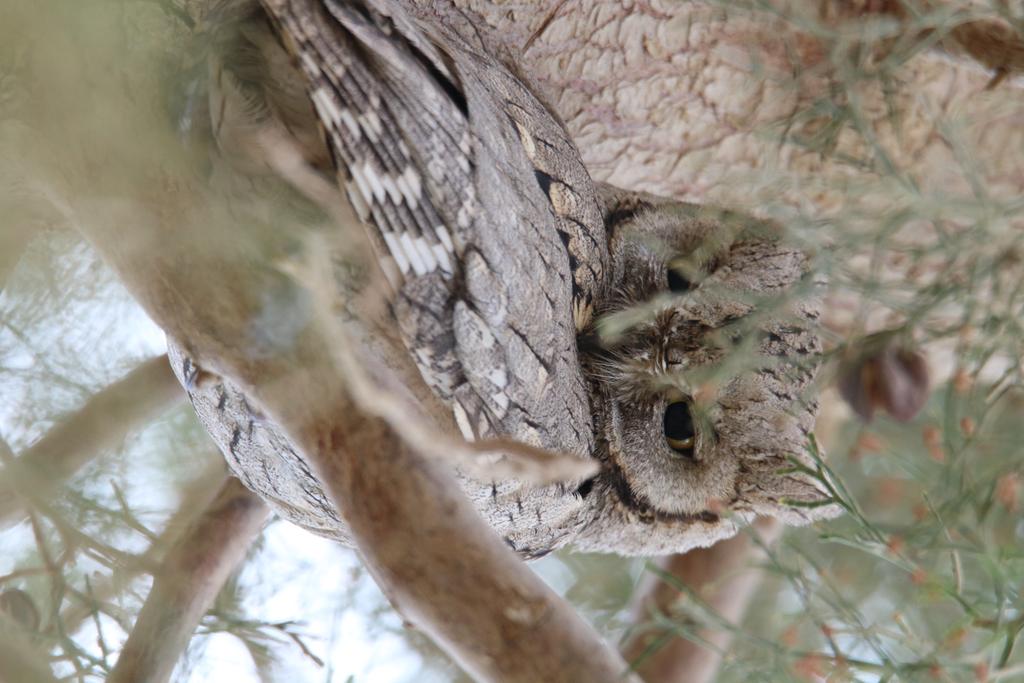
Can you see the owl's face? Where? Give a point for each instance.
(706, 347)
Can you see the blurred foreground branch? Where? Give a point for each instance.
(192, 574)
(464, 587)
(106, 418)
(20, 660)
(14, 237)
(724, 576)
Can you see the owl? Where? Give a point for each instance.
(670, 343)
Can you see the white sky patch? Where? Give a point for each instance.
(300, 576)
(224, 658)
(64, 318)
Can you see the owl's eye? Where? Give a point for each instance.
(677, 282)
(679, 432)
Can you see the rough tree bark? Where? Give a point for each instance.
(689, 99)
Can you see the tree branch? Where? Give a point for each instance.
(198, 496)
(20, 659)
(439, 564)
(724, 576)
(106, 418)
(193, 573)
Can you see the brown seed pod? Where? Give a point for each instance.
(890, 377)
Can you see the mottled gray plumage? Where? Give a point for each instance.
(508, 267)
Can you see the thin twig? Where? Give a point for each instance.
(143, 394)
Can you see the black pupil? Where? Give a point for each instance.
(678, 422)
(677, 282)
